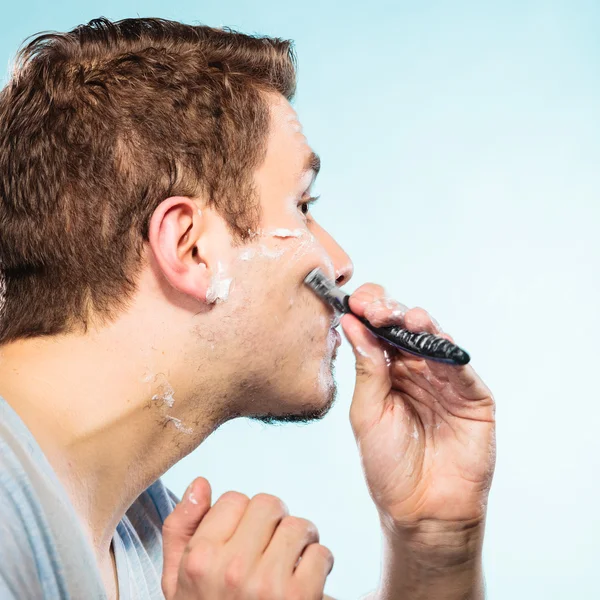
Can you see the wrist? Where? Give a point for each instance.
(433, 560)
(437, 544)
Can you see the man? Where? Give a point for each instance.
(155, 191)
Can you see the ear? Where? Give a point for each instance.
(176, 234)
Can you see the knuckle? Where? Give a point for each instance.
(301, 526)
(325, 553)
(235, 573)
(371, 289)
(235, 498)
(264, 587)
(420, 311)
(198, 561)
(270, 503)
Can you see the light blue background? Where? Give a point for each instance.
(461, 150)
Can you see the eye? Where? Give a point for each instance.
(305, 206)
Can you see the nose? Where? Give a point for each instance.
(342, 264)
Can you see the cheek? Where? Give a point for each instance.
(306, 253)
(284, 251)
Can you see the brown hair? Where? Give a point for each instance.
(97, 127)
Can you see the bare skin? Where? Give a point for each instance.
(241, 548)
(88, 399)
(115, 408)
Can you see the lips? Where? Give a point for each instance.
(335, 335)
(335, 321)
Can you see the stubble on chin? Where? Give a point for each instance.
(309, 413)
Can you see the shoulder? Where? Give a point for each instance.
(140, 530)
(156, 502)
(43, 552)
(145, 517)
(24, 534)
(164, 499)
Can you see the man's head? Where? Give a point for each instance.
(154, 178)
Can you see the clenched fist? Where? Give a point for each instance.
(240, 549)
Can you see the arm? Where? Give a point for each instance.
(426, 436)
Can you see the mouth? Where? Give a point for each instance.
(334, 333)
(336, 339)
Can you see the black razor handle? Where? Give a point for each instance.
(423, 344)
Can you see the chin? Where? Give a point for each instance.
(312, 410)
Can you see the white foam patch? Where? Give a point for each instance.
(220, 285)
(398, 310)
(261, 250)
(325, 379)
(270, 252)
(179, 425)
(248, 254)
(285, 233)
(167, 396)
(149, 377)
(307, 246)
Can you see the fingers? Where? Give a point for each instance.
(250, 548)
(220, 523)
(373, 382)
(418, 319)
(257, 526)
(365, 295)
(179, 527)
(291, 538)
(370, 301)
(368, 350)
(385, 311)
(315, 565)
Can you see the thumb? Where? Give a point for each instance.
(179, 527)
(373, 382)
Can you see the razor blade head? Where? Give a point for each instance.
(326, 289)
(317, 280)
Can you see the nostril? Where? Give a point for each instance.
(344, 274)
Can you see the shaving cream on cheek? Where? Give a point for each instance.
(262, 250)
(277, 251)
(301, 241)
(312, 246)
(285, 233)
(220, 284)
(325, 377)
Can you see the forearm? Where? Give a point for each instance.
(433, 563)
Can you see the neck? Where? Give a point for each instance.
(110, 419)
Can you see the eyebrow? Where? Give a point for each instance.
(313, 163)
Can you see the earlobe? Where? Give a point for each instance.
(176, 237)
